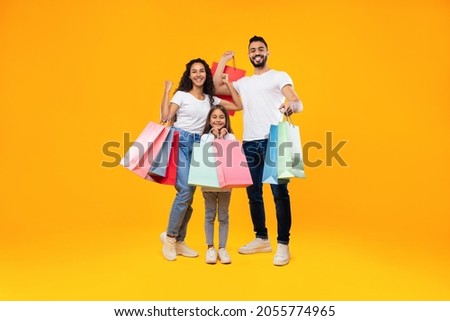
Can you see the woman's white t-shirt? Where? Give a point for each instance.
(192, 112)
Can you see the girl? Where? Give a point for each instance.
(217, 126)
(190, 106)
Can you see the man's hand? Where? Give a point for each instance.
(290, 107)
(227, 56)
(286, 109)
(226, 79)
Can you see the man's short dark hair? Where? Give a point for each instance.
(258, 38)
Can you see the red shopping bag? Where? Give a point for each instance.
(232, 167)
(170, 177)
(145, 148)
(233, 75)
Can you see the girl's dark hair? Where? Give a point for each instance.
(186, 83)
(208, 127)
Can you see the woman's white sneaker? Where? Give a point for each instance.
(282, 256)
(168, 249)
(184, 250)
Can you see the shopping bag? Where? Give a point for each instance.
(298, 168)
(290, 156)
(202, 169)
(145, 148)
(232, 167)
(233, 75)
(284, 151)
(159, 165)
(170, 177)
(270, 169)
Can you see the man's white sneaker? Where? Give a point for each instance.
(168, 249)
(211, 255)
(224, 257)
(184, 250)
(282, 256)
(256, 246)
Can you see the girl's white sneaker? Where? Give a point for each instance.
(224, 257)
(211, 256)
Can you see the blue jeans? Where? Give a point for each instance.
(181, 211)
(255, 151)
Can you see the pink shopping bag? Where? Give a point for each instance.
(145, 148)
(232, 167)
(170, 177)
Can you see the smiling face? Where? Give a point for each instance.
(217, 120)
(257, 52)
(197, 74)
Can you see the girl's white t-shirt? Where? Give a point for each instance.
(192, 112)
(207, 138)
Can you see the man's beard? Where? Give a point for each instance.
(260, 64)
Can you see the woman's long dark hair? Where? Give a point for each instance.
(208, 127)
(186, 83)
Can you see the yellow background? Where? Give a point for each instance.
(77, 74)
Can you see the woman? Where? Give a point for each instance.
(188, 110)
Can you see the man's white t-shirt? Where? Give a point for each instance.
(191, 116)
(261, 97)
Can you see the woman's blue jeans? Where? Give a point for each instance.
(181, 211)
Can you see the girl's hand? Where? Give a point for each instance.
(223, 132)
(215, 132)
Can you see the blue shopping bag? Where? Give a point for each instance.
(270, 170)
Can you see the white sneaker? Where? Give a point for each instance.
(282, 256)
(256, 246)
(224, 257)
(168, 249)
(184, 250)
(211, 256)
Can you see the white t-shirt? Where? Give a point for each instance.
(191, 116)
(261, 97)
(207, 138)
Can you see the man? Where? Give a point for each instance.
(265, 96)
